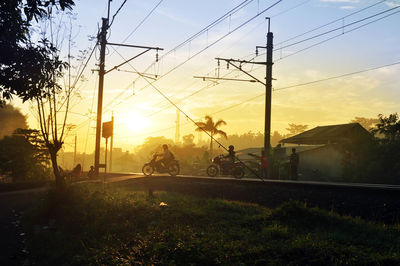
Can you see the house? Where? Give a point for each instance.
(322, 150)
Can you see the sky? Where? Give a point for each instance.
(141, 111)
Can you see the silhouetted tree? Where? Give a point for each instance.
(376, 159)
(275, 138)
(242, 141)
(21, 159)
(296, 129)
(11, 118)
(211, 127)
(35, 139)
(23, 63)
(188, 140)
(389, 126)
(151, 145)
(367, 123)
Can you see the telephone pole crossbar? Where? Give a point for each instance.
(265, 157)
(241, 61)
(216, 78)
(102, 40)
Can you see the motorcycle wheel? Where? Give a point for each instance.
(212, 170)
(147, 169)
(238, 172)
(173, 169)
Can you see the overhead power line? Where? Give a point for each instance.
(143, 20)
(116, 13)
(140, 24)
(196, 123)
(336, 36)
(205, 48)
(191, 38)
(336, 29)
(84, 67)
(331, 22)
(307, 83)
(208, 86)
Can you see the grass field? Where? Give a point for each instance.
(119, 227)
(7, 187)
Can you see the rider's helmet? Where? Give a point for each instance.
(231, 147)
(165, 147)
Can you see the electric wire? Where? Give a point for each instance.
(290, 87)
(331, 22)
(142, 21)
(116, 13)
(336, 29)
(197, 125)
(184, 113)
(140, 24)
(213, 43)
(191, 38)
(336, 36)
(208, 86)
(304, 84)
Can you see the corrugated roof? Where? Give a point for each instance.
(329, 134)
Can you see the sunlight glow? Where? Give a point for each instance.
(133, 121)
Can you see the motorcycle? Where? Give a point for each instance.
(220, 165)
(155, 166)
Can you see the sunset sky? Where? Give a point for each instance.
(140, 111)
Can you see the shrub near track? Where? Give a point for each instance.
(91, 227)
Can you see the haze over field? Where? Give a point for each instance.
(140, 111)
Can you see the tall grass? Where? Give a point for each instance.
(91, 227)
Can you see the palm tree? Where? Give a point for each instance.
(212, 128)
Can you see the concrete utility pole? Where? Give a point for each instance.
(111, 145)
(177, 129)
(268, 98)
(103, 41)
(267, 84)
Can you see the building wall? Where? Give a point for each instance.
(324, 163)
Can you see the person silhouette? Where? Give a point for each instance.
(166, 156)
(294, 164)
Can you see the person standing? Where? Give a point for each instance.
(294, 164)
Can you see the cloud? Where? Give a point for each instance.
(347, 7)
(393, 3)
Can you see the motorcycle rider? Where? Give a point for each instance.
(166, 156)
(230, 157)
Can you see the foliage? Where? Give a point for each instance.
(367, 123)
(295, 129)
(25, 66)
(245, 140)
(389, 127)
(35, 139)
(21, 159)
(188, 140)
(212, 127)
(188, 154)
(125, 228)
(376, 159)
(150, 146)
(11, 118)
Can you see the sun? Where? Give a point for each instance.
(133, 121)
